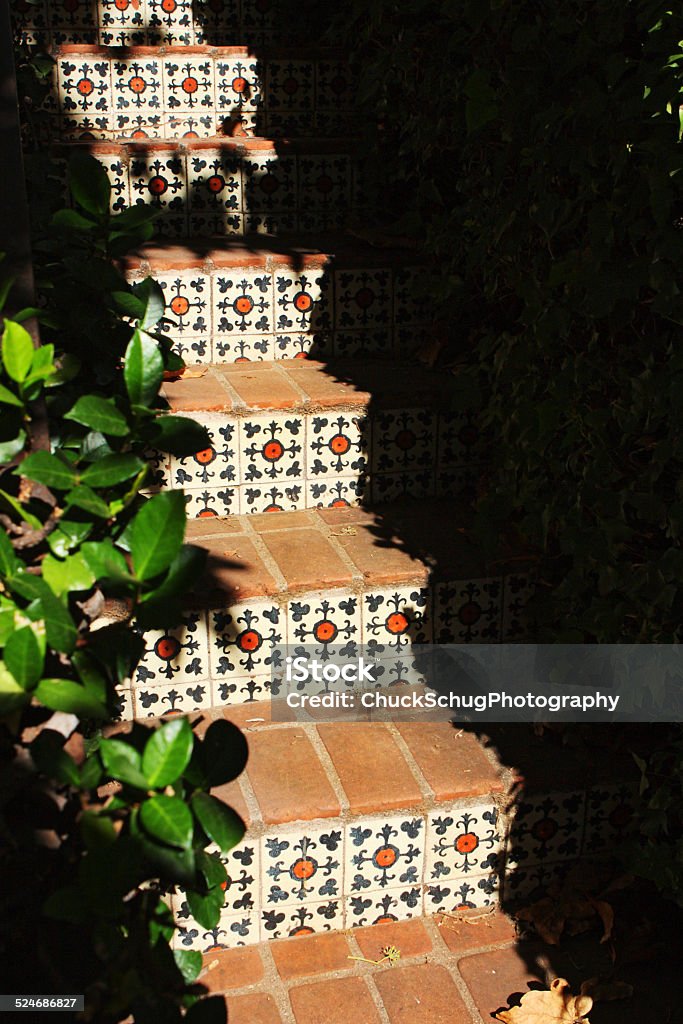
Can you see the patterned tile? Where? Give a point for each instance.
(203, 504)
(468, 611)
(117, 172)
(304, 920)
(302, 867)
(462, 842)
(368, 342)
(121, 36)
(381, 908)
(529, 882)
(363, 298)
(242, 690)
(546, 828)
(475, 891)
(70, 14)
(334, 85)
(216, 21)
(303, 301)
(243, 307)
(214, 468)
(242, 640)
(158, 180)
(411, 296)
(270, 197)
(403, 439)
(190, 126)
(281, 497)
(137, 84)
(86, 126)
(324, 192)
(29, 20)
(179, 698)
(459, 439)
(272, 449)
(118, 15)
(394, 619)
(336, 493)
(189, 84)
(243, 867)
(337, 446)
(170, 21)
(144, 124)
(289, 124)
(290, 85)
(388, 487)
(260, 19)
(610, 816)
(124, 704)
(215, 187)
(242, 349)
(177, 654)
(231, 931)
(386, 853)
(517, 590)
(84, 85)
(188, 313)
(238, 85)
(327, 621)
(301, 346)
(460, 483)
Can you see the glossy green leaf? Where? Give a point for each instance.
(68, 535)
(152, 295)
(163, 604)
(12, 695)
(72, 220)
(66, 695)
(90, 674)
(106, 561)
(168, 820)
(189, 962)
(8, 449)
(24, 657)
(221, 756)
(49, 757)
(97, 830)
(112, 470)
(59, 627)
(89, 183)
(8, 397)
(178, 435)
(99, 414)
(20, 511)
(123, 762)
(206, 907)
(143, 369)
(167, 753)
(219, 821)
(128, 304)
(212, 868)
(17, 351)
(48, 469)
(156, 533)
(8, 557)
(84, 497)
(67, 574)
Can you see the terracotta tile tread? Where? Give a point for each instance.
(289, 384)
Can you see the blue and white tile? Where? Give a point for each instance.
(206, 503)
(384, 853)
(330, 622)
(170, 22)
(389, 487)
(545, 828)
(189, 84)
(292, 921)
(473, 892)
(303, 300)
(179, 653)
(86, 127)
(518, 589)
(337, 493)
(187, 312)
(338, 445)
(302, 866)
(158, 180)
(243, 640)
(377, 907)
(178, 698)
(243, 305)
(463, 842)
(372, 342)
(459, 440)
(228, 691)
(283, 496)
(215, 192)
(272, 449)
(84, 84)
(137, 84)
(468, 611)
(238, 85)
(403, 439)
(216, 467)
(363, 298)
(611, 816)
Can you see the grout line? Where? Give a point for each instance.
(426, 790)
(276, 986)
(328, 766)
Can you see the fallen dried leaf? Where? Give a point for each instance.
(606, 991)
(556, 1006)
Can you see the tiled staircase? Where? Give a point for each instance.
(331, 497)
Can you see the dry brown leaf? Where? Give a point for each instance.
(606, 914)
(556, 1006)
(569, 907)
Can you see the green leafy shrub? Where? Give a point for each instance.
(86, 876)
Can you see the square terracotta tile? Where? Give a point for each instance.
(395, 619)
(377, 908)
(84, 85)
(462, 842)
(215, 192)
(468, 611)
(548, 827)
(384, 853)
(302, 867)
(189, 84)
(337, 446)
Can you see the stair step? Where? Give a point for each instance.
(325, 978)
(407, 574)
(234, 300)
(355, 825)
(153, 22)
(296, 434)
(146, 92)
(233, 186)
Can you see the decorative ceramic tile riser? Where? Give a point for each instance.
(226, 190)
(320, 876)
(168, 23)
(200, 94)
(265, 315)
(229, 655)
(290, 459)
